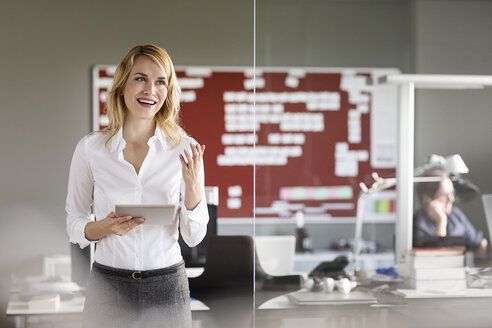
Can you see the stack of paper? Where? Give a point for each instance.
(44, 302)
(436, 269)
(304, 297)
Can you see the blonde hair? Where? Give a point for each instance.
(167, 118)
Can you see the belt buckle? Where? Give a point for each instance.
(137, 275)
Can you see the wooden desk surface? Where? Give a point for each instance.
(472, 310)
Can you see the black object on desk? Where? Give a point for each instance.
(332, 269)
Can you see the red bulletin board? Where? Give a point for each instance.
(312, 134)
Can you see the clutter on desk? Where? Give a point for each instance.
(54, 287)
(386, 276)
(44, 292)
(333, 269)
(330, 276)
(462, 293)
(367, 247)
(436, 269)
(480, 277)
(44, 302)
(436, 251)
(329, 285)
(341, 244)
(303, 240)
(49, 292)
(57, 266)
(415, 293)
(391, 271)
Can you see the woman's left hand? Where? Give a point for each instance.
(191, 174)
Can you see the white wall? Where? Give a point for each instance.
(347, 33)
(453, 37)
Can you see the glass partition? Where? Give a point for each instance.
(327, 149)
(286, 96)
(70, 51)
(323, 127)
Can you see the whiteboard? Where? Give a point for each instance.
(311, 135)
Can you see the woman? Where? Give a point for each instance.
(142, 157)
(439, 217)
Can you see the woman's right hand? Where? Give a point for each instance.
(111, 224)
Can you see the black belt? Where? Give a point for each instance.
(136, 275)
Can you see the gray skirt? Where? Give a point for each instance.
(124, 298)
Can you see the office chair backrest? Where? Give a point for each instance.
(80, 264)
(276, 254)
(230, 260)
(230, 269)
(196, 256)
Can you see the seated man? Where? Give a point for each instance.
(439, 217)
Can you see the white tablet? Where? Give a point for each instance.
(153, 214)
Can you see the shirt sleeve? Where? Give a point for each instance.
(193, 223)
(422, 225)
(79, 195)
(473, 237)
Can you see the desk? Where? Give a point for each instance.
(390, 311)
(19, 310)
(280, 312)
(70, 310)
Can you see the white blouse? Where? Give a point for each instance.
(101, 177)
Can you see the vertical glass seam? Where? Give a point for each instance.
(254, 163)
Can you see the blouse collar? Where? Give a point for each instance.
(117, 140)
